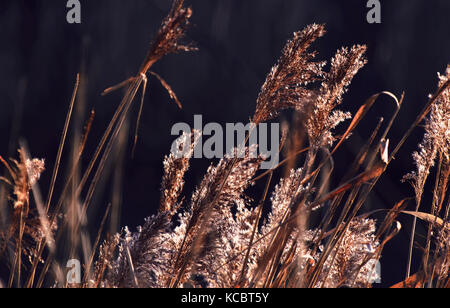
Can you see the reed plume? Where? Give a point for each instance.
(308, 230)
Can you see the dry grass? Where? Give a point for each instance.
(220, 238)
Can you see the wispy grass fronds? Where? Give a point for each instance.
(309, 230)
(343, 268)
(286, 86)
(174, 170)
(322, 119)
(436, 142)
(25, 228)
(436, 139)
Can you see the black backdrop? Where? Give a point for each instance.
(239, 41)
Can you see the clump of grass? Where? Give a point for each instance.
(434, 147)
(220, 237)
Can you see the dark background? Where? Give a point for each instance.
(239, 41)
